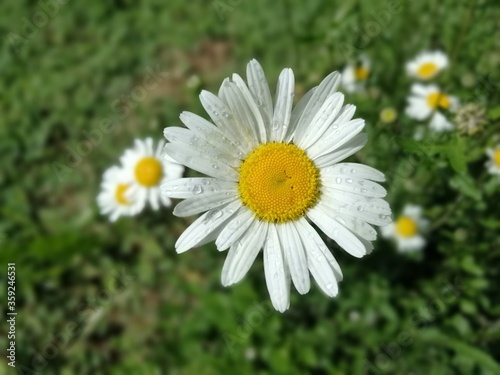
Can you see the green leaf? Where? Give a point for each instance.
(466, 186)
(455, 151)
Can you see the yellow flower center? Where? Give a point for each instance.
(388, 115)
(438, 99)
(120, 194)
(278, 182)
(148, 171)
(427, 70)
(406, 227)
(361, 73)
(496, 157)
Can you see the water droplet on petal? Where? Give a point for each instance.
(363, 191)
(197, 189)
(343, 170)
(348, 180)
(225, 114)
(353, 170)
(361, 208)
(215, 113)
(338, 180)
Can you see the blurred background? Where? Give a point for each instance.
(94, 297)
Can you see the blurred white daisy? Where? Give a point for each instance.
(114, 199)
(146, 169)
(429, 101)
(493, 164)
(408, 229)
(272, 169)
(354, 76)
(427, 65)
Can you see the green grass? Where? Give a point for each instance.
(101, 298)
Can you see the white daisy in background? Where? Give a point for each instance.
(408, 229)
(354, 76)
(272, 170)
(146, 169)
(114, 199)
(493, 164)
(427, 65)
(429, 101)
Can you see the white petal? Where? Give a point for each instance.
(327, 87)
(374, 211)
(187, 187)
(243, 115)
(342, 135)
(439, 123)
(295, 256)
(242, 254)
(276, 272)
(348, 149)
(351, 170)
(257, 83)
(200, 142)
(235, 229)
(201, 203)
(322, 120)
(353, 184)
(337, 232)
(204, 226)
(320, 261)
(297, 113)
(253, 116)
(283, 105)
(205, 129)
(221, 115)
(199, 161)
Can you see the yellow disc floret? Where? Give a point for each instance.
(148, 171)
(120, 194)
(278, 182)
(438, 99)
(496, 157)
(427, 70)
(406, 227)
(361, 73)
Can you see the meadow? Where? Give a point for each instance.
(82, 80)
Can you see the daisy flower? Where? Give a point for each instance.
(493, 164)
(273, 170)
(427, 65)
(428, 101)
(407, 230)
(354, 76)
(114, 199)
(146, 169)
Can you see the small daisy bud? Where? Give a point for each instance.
(388, 115)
